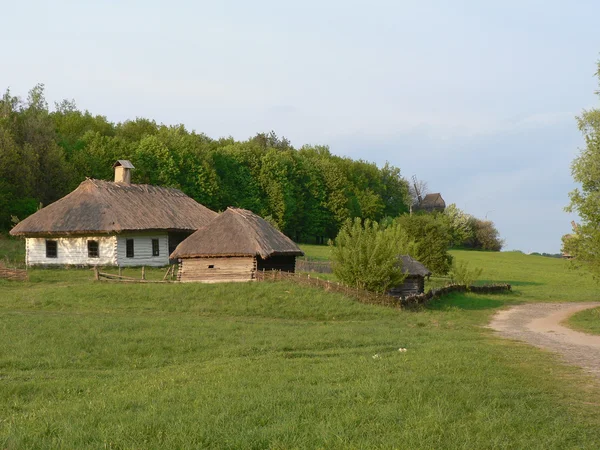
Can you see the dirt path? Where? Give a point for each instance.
(539, 324)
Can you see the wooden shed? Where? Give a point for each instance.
(233, 247)
(414, 283)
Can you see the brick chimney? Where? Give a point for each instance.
(123, 171)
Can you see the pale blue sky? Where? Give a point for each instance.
(477, 98)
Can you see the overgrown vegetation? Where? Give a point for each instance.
(12, 251)
(470, 232)
(431, 235)
(365, 255)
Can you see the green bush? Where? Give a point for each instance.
(462, 274)
(365, 255)
(432, 238)
(486, 236)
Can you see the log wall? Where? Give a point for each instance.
(217, 270)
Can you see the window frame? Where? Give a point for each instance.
(90, 251)
(128, 253)
(49, 253)
(155, 249)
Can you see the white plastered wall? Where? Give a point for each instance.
(72, 251)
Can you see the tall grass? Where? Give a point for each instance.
(12, 251)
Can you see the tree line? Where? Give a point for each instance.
(308, 193)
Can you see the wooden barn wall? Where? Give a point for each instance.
(411, 286)
(142, 253)
(223, 269)
(71, 251)
(283, 263)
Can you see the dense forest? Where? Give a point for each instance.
(307, 192)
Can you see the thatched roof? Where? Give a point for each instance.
(413, 267)
(105, 207)
(237, 232)
(432, 201)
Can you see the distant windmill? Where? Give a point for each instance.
(417, 188)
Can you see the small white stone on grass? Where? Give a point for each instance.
(402, 350)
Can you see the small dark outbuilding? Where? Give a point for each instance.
(414, 283)
(233, 247)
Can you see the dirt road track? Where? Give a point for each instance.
(539, 324)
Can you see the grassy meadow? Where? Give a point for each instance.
(87, 364)
(587, 321)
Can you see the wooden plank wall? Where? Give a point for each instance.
(222, 270)
(411, 286)
(142, 249)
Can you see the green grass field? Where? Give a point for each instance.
(587, 321)
(87, 364)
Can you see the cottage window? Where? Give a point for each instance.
(51, 249)
(93, 249)
(211, 266)
(155, 248)
(129, 248)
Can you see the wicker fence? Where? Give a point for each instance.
(373, 298)
(12, 274)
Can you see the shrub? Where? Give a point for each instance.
(431, 235)
(486, 236)
(365, 255)
(460, 225)
(462, 274)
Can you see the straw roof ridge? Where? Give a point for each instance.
(237, 232)
(99, 206)
(411, 266)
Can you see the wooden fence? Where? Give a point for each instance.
(12, 274)
(305, 265)
(104, 276)
(373, 298)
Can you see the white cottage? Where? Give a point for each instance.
(112, 224)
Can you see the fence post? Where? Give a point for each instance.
(143, 272)
(96, 273)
